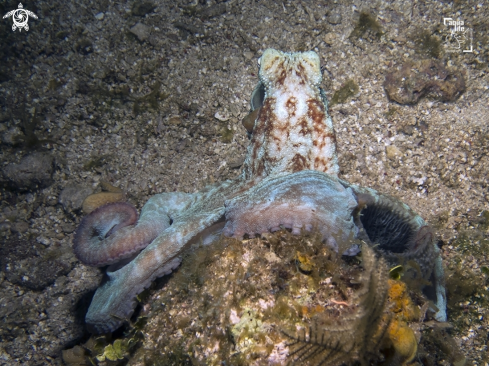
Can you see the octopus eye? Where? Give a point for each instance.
(257, 99)
(258, 96)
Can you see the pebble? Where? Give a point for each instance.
(175, 120)
(334, 18)
(392, 152)
(44, 241)
(99, 16)
(141, 31)
(67, 228)
(248, 55)
(222, 116)
(330, 38)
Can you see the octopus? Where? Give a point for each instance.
(289, 180)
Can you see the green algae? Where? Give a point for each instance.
(28, 125)
(113, 352)
(347, 90)
(462, 284)
(150, 100)
(367, 23)
(97, 162)
(391, 113)
(226, 134)
(100, 349)
(427, 44)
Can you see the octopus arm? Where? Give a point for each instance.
(401, 235)
(114, 302)
(307, 199)
(107, 235)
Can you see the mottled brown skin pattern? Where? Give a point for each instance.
(292, 131)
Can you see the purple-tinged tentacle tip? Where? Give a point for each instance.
(99, 239)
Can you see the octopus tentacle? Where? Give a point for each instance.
(300, 200)
(187, 218)
(399, 232)
(107, 235)
(402, 236)
(114, 301)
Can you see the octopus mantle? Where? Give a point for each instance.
(289, 180)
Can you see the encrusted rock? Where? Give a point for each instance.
(407, 83)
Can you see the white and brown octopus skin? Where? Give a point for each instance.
(289, 180)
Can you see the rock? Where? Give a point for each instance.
(141, 31)
(34, 171)
(72, 197)
(409, 82)
(258, 330)
(74, 356)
